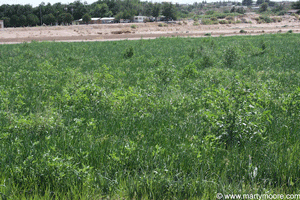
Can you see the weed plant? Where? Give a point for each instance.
(171, 118)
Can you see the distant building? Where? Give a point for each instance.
(97, 20)
(124, 20)
(107, 20)
(255, 8)
(293, 11)
(1, 24)
(140, 19)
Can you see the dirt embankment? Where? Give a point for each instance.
(103, 32)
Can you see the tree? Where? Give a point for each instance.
(32, 20)
(232, 9)
(22, 20)
(101, 10)
(258, 2)
(86, 18)
(247, 2)
(49, 19)
(168, 10)
(65, 18)
(241, 10)
(14, 21)
(263, 7)
(156, 10)
(296, 5)
(148, 7)
(6, 21)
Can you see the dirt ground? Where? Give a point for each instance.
(104, 32)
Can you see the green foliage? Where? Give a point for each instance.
(101, 10)
(170, 118)
(128, 53)
(133, 26)
(263, 7)
(223, 22)
(209, 12)
(49, 19)
(247, 2)
(296, 5)
(156, 10)
(243, 31)
(264, 19)
(86, 18)
(65, 18)
(230, 56)
(169, 11)
(32, 20)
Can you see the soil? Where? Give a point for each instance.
(151, 30)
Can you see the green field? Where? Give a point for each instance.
(170, 118)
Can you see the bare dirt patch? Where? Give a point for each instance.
(103, 32)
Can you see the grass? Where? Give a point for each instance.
(183, 118)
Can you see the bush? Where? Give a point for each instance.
(210, 12)
(133, 26)
(207, 34)
(290, 31)
(162, 25)
(206, 22)
(223, 22)
(230, 56)
(128, 53)
(230, 18)
(243, 31)
(281, 13)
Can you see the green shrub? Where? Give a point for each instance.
(230, 56)
(133, 26)
(206, 21)
(213, 19)
(230, 18)
(128, 53)
(223, 22)
(243, 31)
(209, 12)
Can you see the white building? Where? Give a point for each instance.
(107, 20)
(140, 19)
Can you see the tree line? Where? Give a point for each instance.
(58, 13)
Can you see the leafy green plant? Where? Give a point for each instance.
(128, 53)
(183, 118)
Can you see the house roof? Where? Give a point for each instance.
(108, 18)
